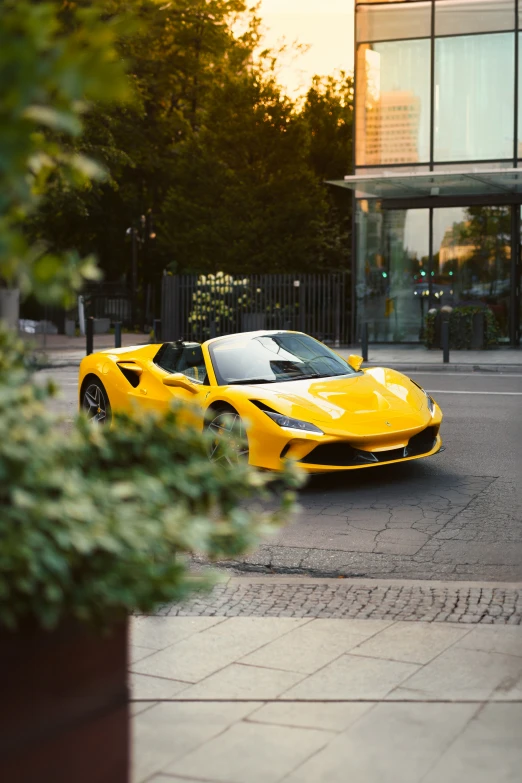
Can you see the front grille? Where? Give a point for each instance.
(342, 454)
(422, 442)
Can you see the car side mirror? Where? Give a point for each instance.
(180, 381)
(355, 361)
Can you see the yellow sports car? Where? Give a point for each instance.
(282, 395)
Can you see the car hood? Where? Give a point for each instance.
(372, 400)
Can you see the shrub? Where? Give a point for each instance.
(97, 523)
(461, 327)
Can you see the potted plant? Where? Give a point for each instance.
(94, 525)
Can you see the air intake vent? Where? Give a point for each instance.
(263, 406)
(132, 377)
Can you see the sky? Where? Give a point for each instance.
(325, 25)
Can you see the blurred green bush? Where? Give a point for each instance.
(94, 523)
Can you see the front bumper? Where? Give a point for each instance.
(310, 467)
(334, 452)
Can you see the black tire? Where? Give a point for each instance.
(95, 402)
(227, 426)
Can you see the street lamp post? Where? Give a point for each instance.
(140, 235)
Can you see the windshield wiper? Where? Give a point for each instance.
(246, 381)
(314, 377)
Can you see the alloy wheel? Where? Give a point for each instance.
(228, 427)
(95, 405)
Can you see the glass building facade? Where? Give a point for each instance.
(438, 163)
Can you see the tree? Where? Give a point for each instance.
(92, 525)
(328, 111)
(44, 100)
(245, 198)
(232, 170)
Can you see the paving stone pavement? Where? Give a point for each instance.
(346, 598)
(302, 700)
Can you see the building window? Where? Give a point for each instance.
(472, 260)
(393, 22)
(458, 17)
(393, 103)
(474, 97)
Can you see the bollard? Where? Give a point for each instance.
(156, 330)
(89, 335)
(117, 334)
(364, 341)
(445, 342)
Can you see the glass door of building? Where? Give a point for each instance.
(392, 272)
(472, 261)
(399, 277)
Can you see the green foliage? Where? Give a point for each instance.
(244, 197)
(328, 110)
(99, 523)
(232, 169)
(461, 327)
(49, 73)
(94, 523)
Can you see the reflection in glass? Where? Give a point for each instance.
(472, 259)
(392, 272)
(474, 97)
(456, 17)
(519, 141)
(393, 22)
(393, 103)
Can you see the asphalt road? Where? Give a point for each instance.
(457, 515)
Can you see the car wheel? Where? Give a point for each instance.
(227, 427)
(95, 403)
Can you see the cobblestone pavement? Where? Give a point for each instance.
(329, 598)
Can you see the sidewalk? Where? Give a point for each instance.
(61, 351)
(303, 699)
(411, 358)
(57, 350)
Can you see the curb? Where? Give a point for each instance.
(455, 368)
(363, 582)
(57, 366)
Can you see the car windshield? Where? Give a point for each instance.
(274, 358)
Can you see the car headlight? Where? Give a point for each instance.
(431, 403)
(293, 424)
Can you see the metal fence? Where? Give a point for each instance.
(197, 307)
(109, 300)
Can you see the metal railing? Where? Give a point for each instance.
(197, 307)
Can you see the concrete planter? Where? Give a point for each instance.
(10, 306)
(64, 705)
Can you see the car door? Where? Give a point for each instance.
(182, 364)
